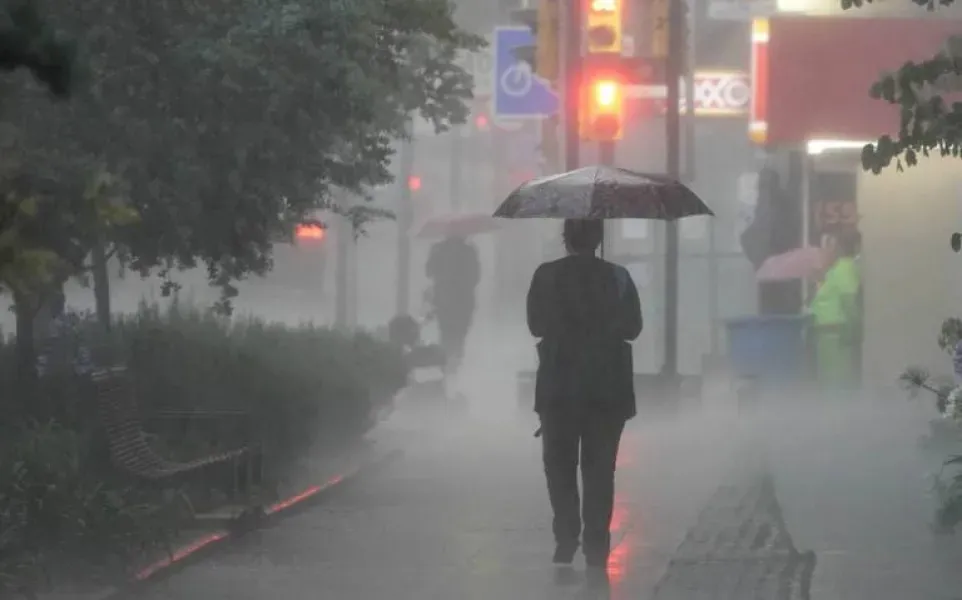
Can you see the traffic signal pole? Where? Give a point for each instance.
(674, 70)
(571, 84)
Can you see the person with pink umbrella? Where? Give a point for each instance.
(454, 269)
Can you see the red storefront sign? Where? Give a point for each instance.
(812, 75)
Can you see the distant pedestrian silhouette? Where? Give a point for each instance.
(455, 270)
(585, 310)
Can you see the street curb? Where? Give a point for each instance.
(204, 546)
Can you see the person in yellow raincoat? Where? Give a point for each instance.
(836, 313)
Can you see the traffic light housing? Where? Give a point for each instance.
(545, 24)
(602, 107)
(603, 26)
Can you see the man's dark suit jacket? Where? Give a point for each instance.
(585, 310)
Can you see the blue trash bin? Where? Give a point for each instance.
(768, 348)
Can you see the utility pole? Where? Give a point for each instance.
(674, 69)
(457, 146)
(405, 218)
(342, 238)
(691, 120)
(571, 71)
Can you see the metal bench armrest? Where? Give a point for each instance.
(198, 414)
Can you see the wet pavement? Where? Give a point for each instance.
(855, 488)
(456, 517)
(720, 506)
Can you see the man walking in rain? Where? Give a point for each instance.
(454, 269)
(585, 310)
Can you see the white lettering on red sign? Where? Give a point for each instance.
(716, 93)
(720, 93)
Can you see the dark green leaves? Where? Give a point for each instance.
(27, 42)
(214, 112)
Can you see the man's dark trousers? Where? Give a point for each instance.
(594, 438)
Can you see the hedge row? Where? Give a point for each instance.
(61, 505)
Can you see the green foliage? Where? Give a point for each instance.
(928, 124)
(946, 432)
(224, 116)
(302, 383)
(26, 41)
(950, 334)
(916, 380)
(949, 492)
(306, 386)
(21, 266)
(57, 520)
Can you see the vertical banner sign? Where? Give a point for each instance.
(758, 123)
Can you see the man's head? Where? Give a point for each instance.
(583, 236)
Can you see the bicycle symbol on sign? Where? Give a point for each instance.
(516, 81)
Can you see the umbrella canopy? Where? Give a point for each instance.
(602, 193)
(458, 225)
(802, 263)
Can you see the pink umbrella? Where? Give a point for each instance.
(802, 263)
(463, 224)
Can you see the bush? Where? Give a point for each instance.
(304, 385)
(946, 432)
(56, 521)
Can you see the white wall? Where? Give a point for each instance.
(911, 276)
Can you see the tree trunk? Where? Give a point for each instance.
(101, 286)
(26, 312)
(341, 299)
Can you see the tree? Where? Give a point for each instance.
(229, 118)
(928, 124)
(27, 42)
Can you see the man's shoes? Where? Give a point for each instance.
(597, 578)
(564, 553)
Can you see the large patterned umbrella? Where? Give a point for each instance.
(602, 193)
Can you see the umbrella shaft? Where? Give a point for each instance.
(606, 157)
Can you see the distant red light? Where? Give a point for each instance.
(309, 232)
(482, 123)
(414, 183)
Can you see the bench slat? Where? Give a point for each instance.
(128, 442)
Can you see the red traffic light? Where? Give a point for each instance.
(603, 114)
(606, 94)
(414, 183)
(310, 231)
(604, 5)
(481, 122)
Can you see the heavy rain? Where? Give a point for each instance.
(493, 299)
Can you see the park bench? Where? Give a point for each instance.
(131, 453)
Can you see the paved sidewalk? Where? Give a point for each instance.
(854, 488)
(464, 515)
